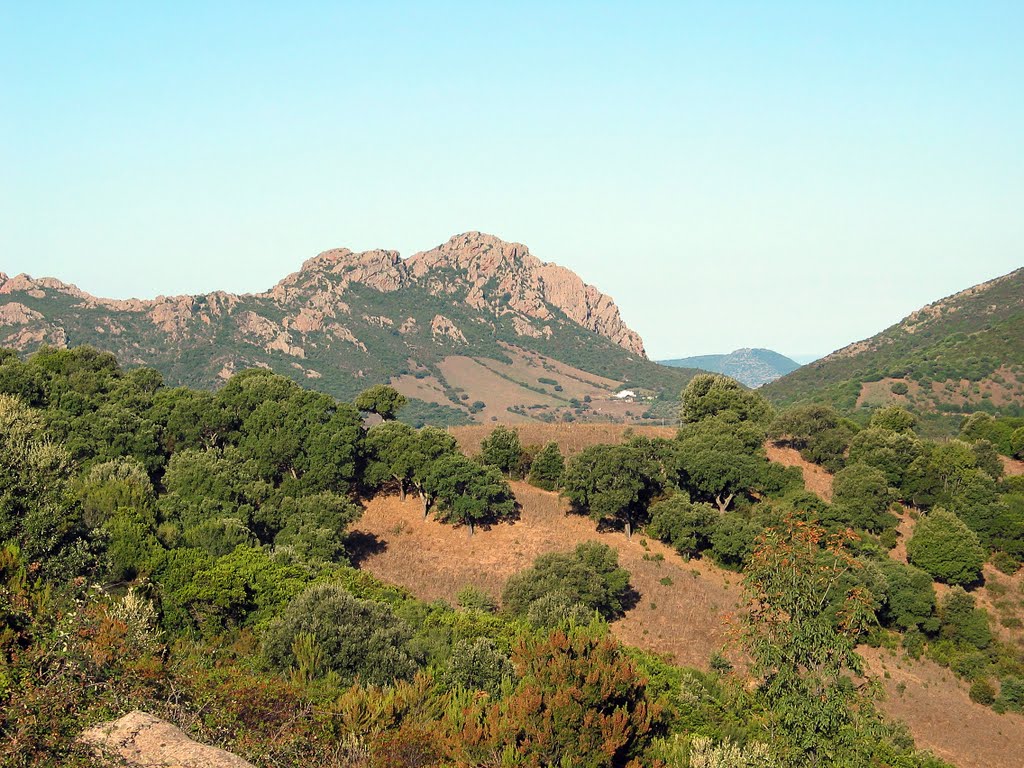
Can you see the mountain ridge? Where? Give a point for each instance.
(752, 366)
(958, 354)
(348, 319)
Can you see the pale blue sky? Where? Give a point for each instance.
(788, 175)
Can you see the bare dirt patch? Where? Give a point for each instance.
(817, 479)
(904, 530)
(682, 606)
(428, 389)
(1012, 466)
(941, 716)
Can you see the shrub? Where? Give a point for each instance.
(962, 622)
(472, 599)
(547, 468)
(589, 575)
(558, 609)
(1011, 690)
(685, 526)
(899, 388)
(353, 637)
(478, 665)
(946, 548)
(894, 418)
(982, 692)
(861, 495)
(909, 600)
(1005, 563)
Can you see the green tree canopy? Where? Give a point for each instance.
(381, 399)
(468, 494)
(710, 394)
(720, 457)
(894, 418)
(817, 431)
(946, 548)
(502, 449)
(861, 498)
(685, 526)
(802, 653)
(38, 510)
(341, 634)
(547, 468)
(391, 455)
(589, 575)
(612, 484)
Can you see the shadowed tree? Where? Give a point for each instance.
(468, 494)
(720, 457)
(381, 399)
(611, 483)
(391, 455)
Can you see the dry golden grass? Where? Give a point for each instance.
(485, 385)
(1012, 466)
(686, 617)
(428, 389)
(941, 716)
(683, 617)
(817, 479)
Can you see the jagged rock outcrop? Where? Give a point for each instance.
(483, 271)
(141, 740)
(500, 276)
(346, 319)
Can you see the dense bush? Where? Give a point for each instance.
(589, 575)
(817, 431)
(325, 629)
(479, 665)
(685, 526)
(548, 468)
(908, 601)
(946, 548)
(861, 498)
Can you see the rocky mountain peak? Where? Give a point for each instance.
(502, 277)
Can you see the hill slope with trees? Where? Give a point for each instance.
(751, 367)
(962, 354)
(477, 329)
(193, 555)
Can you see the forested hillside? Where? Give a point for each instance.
(751, 367)
(476, 329)
(191, 554)
(959, 355)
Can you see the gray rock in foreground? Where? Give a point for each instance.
(142, 740)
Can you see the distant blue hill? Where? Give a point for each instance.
(753, 367)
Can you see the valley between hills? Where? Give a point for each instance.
(444, 511)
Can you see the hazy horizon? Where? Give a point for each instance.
(795, 177)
